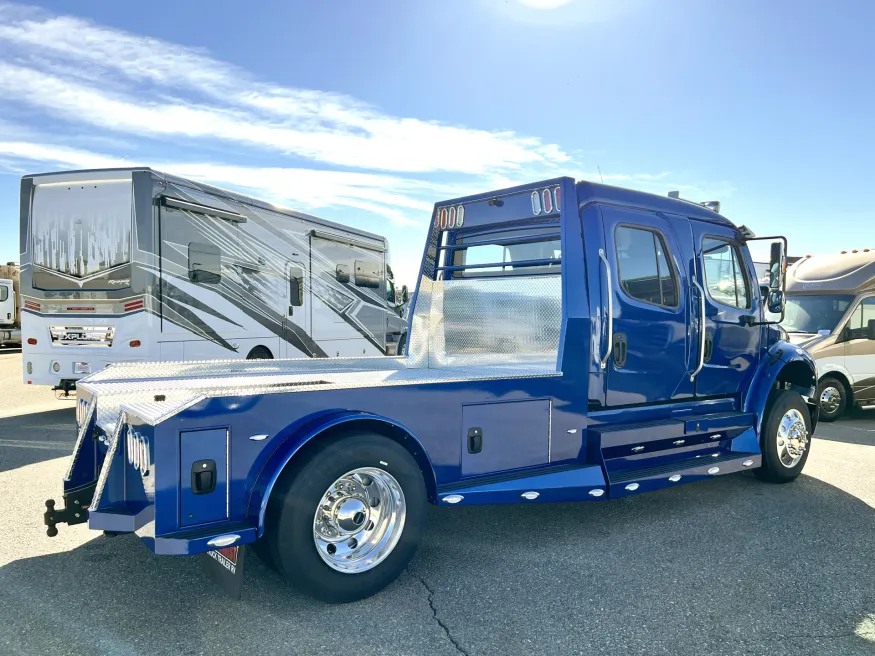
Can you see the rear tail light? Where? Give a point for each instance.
(134, 343)
(444, 219)
(557, 198)
(451, 222)
(547, 201)
(31, 305)
(536, 203)
(31, 341)
(136, 304)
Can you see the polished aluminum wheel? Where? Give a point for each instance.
(359, 520)
(792, 438)
(830, 399)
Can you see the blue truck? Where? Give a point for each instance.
(568, 341)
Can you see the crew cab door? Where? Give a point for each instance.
(860, 351)
(725, 274)
(650, 352)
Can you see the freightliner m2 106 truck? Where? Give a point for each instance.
(569, 341)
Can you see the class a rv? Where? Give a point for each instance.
(137, 265)
(10, 305)
(830, 311)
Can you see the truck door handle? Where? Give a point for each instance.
(475, 440)
(203, 476)
(701, 332)
(606, 356)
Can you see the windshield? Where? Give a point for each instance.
(816, 312)
(80, 229)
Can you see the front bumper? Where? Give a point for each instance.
(10, 337)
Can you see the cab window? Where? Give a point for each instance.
(859, 323)
(4, 293)
(724, 273)
(644, 271)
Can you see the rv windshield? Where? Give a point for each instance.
(815, 312)
(81, 229)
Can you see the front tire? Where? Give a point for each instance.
(785, 438)
(832, 397)
(345, 522)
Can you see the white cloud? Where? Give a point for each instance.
(153, 88)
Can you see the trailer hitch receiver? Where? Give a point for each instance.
(75, 509)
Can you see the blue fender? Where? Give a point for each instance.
(780, 356)
(292, 438)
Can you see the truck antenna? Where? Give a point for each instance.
(600, 173)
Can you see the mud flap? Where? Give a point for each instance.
(225, 567)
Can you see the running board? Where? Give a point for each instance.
(579, 484)
(632, 481)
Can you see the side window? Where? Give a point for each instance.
(644, 271)
(368, 273)
(4, 293)
(204, 263)
(724, 273)
(859, 323)
(296, 286)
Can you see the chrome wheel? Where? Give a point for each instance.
(792, 438)
(359, 520)
(830, 399)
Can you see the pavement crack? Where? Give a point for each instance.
(437, 619)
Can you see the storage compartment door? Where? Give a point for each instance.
(512, 435)
(203, 475)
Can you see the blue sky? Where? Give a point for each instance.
(369, 112)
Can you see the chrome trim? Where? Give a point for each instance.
(550, 434)
(536, 202)
(453, 498)
(80, 437)
(531, 496)
(460, 216)
(258, 438)
(107, 461)
(223, 541)
(702, 332)
(610, 288)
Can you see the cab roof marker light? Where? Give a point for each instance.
(451, 222)
(536, 203)
(548, 201)
(460, 216)
(444, 218)
(557, 198)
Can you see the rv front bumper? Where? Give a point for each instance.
(10, 337)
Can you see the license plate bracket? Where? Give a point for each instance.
(81, 367)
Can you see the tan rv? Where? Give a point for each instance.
(831, 313)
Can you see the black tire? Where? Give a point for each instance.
(290, 544)
(773, 469)
(832, 411)
(260, 353)
(402, 344)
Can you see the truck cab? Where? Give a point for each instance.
(10, 306)
(568, 341)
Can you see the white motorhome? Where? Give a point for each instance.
(10, 306)
(830, 312)
(133, 264)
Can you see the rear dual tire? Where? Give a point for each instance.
(344, 522)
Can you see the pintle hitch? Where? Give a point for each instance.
(76, 504)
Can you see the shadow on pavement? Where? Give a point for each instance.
(727, 566)
(9, 350)
(36, 437)
(856, 427)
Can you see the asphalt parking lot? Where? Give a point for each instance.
(727, 566)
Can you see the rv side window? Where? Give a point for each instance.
(342, 273)
(368, 273)
(4, 293)
(724, 273)
(296, 286)
(204, 263)
(644, 271)
(859, 323)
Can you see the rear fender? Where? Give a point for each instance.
(786, 366)
(296, 436)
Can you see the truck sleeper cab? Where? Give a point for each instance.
(568, 341)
